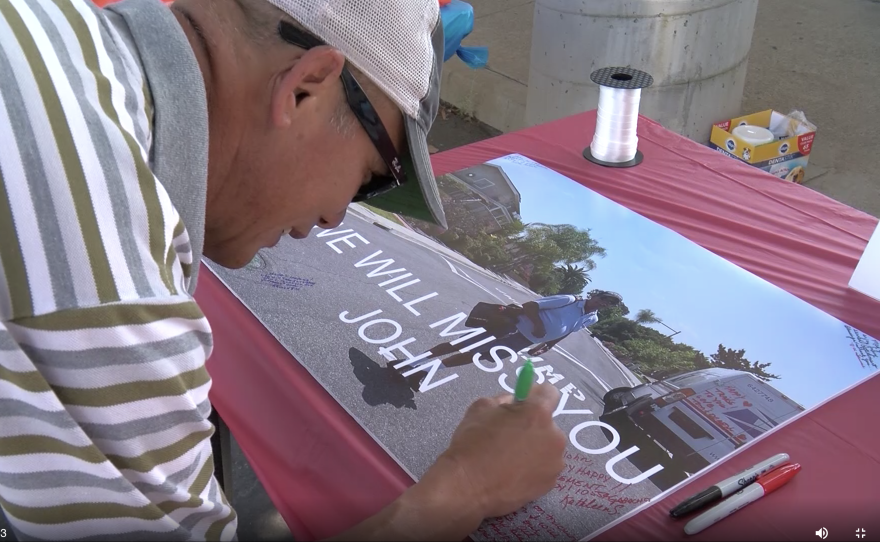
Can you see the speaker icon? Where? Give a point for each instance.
(822, 533)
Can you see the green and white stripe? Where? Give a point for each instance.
(103, 387)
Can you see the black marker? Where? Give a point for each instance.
(728, 487)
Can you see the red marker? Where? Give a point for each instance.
(771, 481)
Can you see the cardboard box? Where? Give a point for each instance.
(785, 158)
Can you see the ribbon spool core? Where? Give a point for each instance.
(618, 84)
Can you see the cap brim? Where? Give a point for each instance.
(417, 198)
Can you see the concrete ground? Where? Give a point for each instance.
(818, 56)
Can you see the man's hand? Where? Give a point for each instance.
(502, 456)
(507, 454)
(533, 313)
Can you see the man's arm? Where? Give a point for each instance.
(113, 435)
(583, 323)
(436, 508)
(555, 301)
(101, 350)
(501, 457)
(545, 347)
(532, 311)
(588, 320)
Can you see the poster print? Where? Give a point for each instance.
(668, 357)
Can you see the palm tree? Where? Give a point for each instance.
(572, 279)
(647, 316)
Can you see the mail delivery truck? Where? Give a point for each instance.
(691, 420)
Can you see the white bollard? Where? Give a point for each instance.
(696, 51)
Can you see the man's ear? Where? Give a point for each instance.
(311, 83)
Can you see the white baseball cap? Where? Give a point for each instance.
(398, 45)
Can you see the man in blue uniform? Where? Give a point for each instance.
(544, 322)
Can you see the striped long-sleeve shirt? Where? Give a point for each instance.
(103, 388)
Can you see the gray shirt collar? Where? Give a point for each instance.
(179, 153)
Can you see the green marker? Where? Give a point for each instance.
(524, 382)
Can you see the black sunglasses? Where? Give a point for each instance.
(366, 114)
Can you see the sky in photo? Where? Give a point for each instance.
(708, 299)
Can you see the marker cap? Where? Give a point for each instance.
(775, 479)
(524, 382)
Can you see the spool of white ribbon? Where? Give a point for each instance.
(615, 140)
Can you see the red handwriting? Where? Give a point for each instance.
(522, 533)
(572, 485)
(590, 504)
(549, 517)
(527, 523)
(583, 487)
(603, 502)
(585, 472)
(488, 528)
(577, 487)
(494, 529)
(578, 458)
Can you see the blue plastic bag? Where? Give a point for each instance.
(458, 23)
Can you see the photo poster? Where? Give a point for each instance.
(700, 359)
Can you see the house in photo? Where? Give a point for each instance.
(486, 193)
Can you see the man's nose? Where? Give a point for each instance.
(333, 221)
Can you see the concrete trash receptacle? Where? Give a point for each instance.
(696, 50)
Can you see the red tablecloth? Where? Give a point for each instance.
(325, 473)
